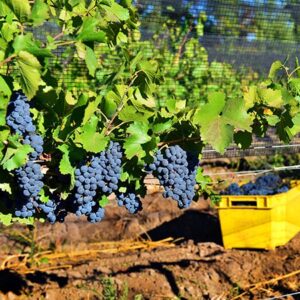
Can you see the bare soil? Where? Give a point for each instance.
(193, 266)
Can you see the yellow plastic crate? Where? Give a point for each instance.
(260, 222)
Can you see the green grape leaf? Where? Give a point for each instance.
(209, 111)
(141, 103)
(272, 119)
(149, 68)
(21, 8)
(26, 43)
(121, 38)
(138, 136)
(294, 85)
(115, 12)
(271, 97)
(217, 133)
(70, 98)
(296, 124)
(4, 9)
(89, 32)
(39, 12)
(124, 176)
(104, 201)
(29, 68)
(26, 221)
(89, 138)
(5, 89)
(91, 61)
(122, 189)
(109, 105)
(5, 187)
(130, 114)
(243, 139)
(162, 126)
(235, 114)
(5, 94)
(250, 97)
(284, 132)
(90, 109)
(8, 31)
(5, 219)
(43, 197)
(275, 67)
(65, 166)
(15, 158)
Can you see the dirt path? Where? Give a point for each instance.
(194, 267)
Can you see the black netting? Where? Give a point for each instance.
(250, 33)
(245, 34)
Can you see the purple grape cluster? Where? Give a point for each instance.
(36, 142)
(99, 175)
(49, 209)
(18, 116)
(54, 209)
(29, 177)
(130, 201)
(96, 215)
(175, 174)
(108, 168)
(86, 187)
(269, 184)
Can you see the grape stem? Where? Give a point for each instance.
(7, 60)
(116, 127)
(180, 49)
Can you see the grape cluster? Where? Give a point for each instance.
(176, 174)
(55, 209)
(265, 185)
(49, 209)
(96, 215)
(18, 116)
(29, 177)
(100, 174)
(36, 142)
(131, 202)
(108, 168)
(86, 186)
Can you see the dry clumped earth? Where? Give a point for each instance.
(194, 265)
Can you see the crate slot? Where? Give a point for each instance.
(244, 203)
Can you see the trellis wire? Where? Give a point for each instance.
(282, 296)
(255, 172)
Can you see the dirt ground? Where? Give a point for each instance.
(63, 261)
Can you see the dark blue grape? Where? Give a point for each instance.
(269, 184)
(98, 175)
(176, 172)
(36, 142)
(97, 215)
(131, 202)
(18, 115)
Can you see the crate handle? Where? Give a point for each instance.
(252, 203)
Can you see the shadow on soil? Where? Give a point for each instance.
(13, 282)
(191, 225)
(162, 268)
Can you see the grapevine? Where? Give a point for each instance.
(92, 122)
